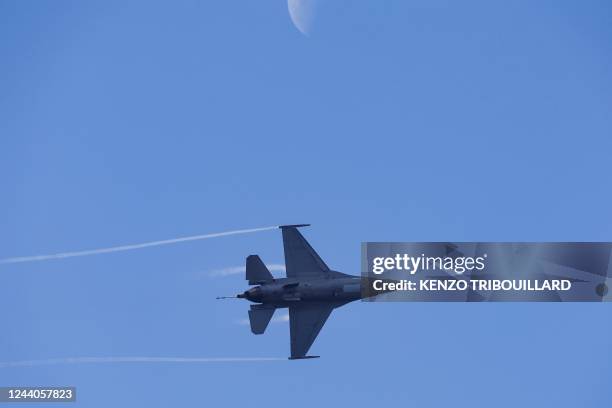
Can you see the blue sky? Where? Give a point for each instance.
(125, 122)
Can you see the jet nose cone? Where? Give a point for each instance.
(253, 294)
(241, 295)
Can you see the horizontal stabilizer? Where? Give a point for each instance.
(294, 226)
(256, 271)
(260, 316)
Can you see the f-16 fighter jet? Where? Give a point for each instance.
(311, 291)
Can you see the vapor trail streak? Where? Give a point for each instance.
(109, 360)
(130, 247)
(234, 270)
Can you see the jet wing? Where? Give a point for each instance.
(301, 260)
(305, 323)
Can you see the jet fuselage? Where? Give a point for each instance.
(286, 291)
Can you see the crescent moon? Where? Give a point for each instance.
(302, 14)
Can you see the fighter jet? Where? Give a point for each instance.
(311, 291)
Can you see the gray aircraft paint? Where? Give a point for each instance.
(311, 291)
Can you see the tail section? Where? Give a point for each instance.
(256, 271)
(260, 316)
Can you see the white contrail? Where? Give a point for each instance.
(235, 270)
(130, 247)
(107, 360)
